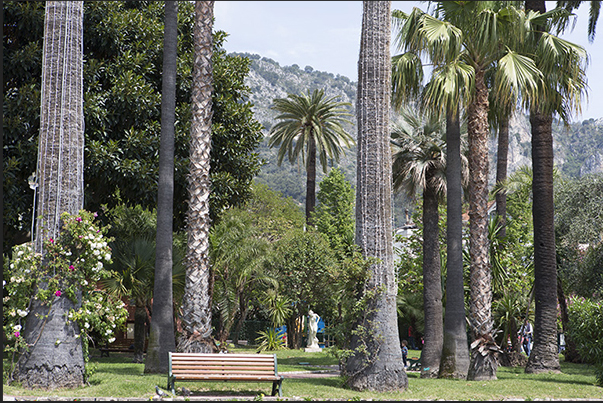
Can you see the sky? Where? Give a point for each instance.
(326, 36)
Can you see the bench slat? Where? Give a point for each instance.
(229, 377)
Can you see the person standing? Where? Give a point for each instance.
(411, 337)
(404, 353)
(527, 335)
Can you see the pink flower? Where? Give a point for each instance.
(51, 240)
(95, 214)
(71, 268)
(78, 219)
(58, 293)
(17, 334)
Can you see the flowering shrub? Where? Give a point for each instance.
(73, 264)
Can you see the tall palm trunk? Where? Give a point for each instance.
(162, 339)
(544, 356)
(501, 173)
(483, 360)
(454, 362)
(432, 284)
(60, 171)
(380, 367)
(140, 321)
(196, 306)
(311, 180)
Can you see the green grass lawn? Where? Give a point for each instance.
(118, 377)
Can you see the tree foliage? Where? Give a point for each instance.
(579, 210)
(334, 215)
(123, 53)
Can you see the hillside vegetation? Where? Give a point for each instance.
(578, 148)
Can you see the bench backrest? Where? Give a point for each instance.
(182, 364)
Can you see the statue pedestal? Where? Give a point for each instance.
(312, 349)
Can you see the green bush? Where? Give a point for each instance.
(586, 330)
(270, 340)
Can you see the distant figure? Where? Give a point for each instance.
(404, 354)
(313, 329)
(411, 337)
(527, 334)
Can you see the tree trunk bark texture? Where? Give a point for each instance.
(196, 307)
(60, 168)
(432, 284)
(140, 333)
(482, 367)
(454, 362)
(501, 173)
(55, 358)
(544, 356)
(311, 180)
(161, 338)
(381, 367)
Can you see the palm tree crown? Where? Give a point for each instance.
(310, 125)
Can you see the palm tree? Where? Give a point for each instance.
(593, 15)
(196, 306)
(133, 278)
(162, 339)
(563, 66)
(379, 367)
(477, 34)
(444, 93)
(61, 189)
(419, 162)
(310, 125)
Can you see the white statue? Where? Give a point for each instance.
(313, 319)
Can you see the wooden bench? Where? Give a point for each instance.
(123, 346)
(224, 367)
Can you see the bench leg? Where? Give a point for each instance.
(277, 387)
(170, 385)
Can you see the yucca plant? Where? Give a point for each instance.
(270, 340)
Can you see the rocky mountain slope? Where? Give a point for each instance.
(578, 148)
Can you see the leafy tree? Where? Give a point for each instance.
(273, 214)
(579, 210)
(303, 262)
(162, 339)
(310, 125)
(60, 175)
(376, 363)
(334, 215)
(237, 253)
(122, 86)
